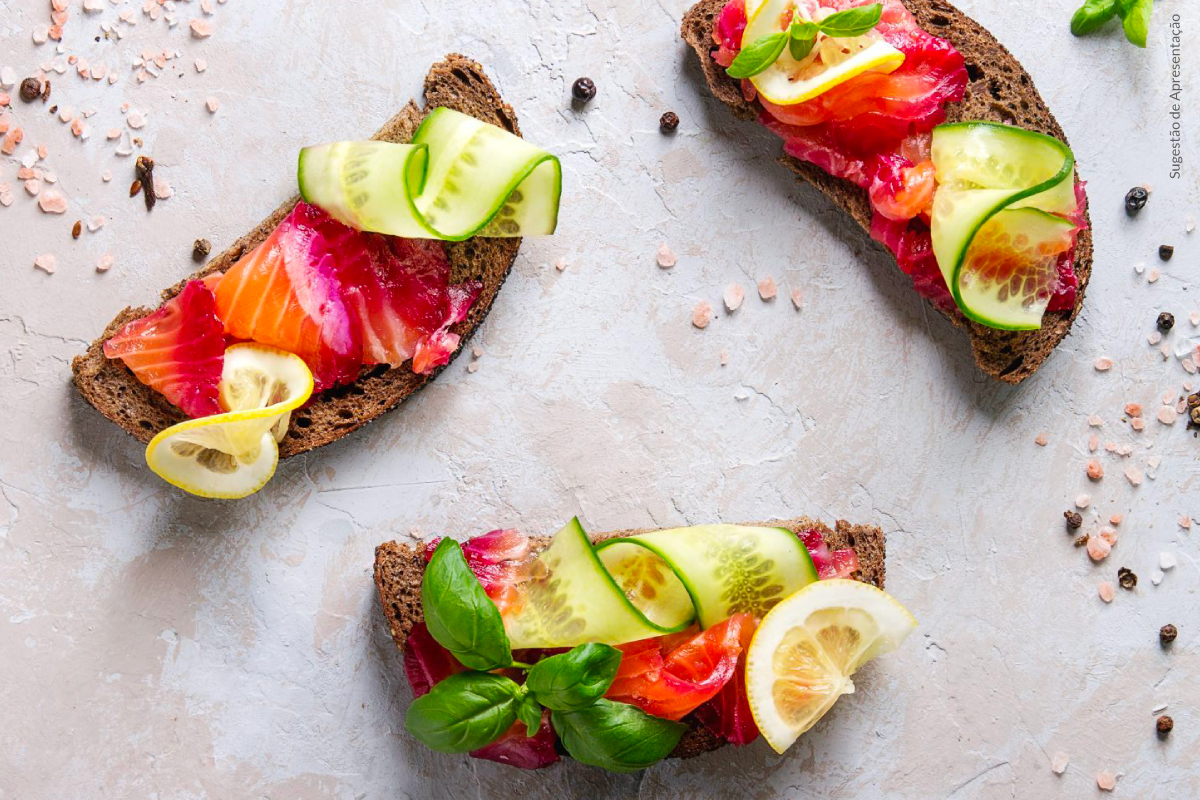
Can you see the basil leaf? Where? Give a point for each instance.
(458, 612)
(852, 21)
(1092, 16)
(464, 712)
(1136, 21)
(529, 711)
(802, 35)
(616, 736)
(575, 679)
(758, 56)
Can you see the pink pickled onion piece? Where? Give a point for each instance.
(516, 749)
(178, 350)
(425, 661)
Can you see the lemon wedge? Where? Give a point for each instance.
(807, 647)
(233, 454)
(832, 61)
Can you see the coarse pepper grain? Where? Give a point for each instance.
(31, 89)
(668, 122)
(1165, 251)
(1074, 519)
(1135, 200)
(200, 249)
(583, 90)
(1165, 321)
(1167, 634)
(1164, 725)
(1127, 579)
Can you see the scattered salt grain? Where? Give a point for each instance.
(1167, 561)
(473, 366)
(560, 264)
(476, 351)
(767, 288)
(45, 262)
(1167, 415)
(1083, 501)
(734, 294)
(162, 189)
(1154, 275)
(135, 118)
(1154, 338)
(1185, 522)
(8, 76)
(702, 314)
(1133, 409)
(201, 65)
(1133, 475)
(1093, 443)
(724, 358)
(1156, 577)
(1159, 708)
(33, 186)
(52, 202)
(96, 223)
(665, 256)
(797, 298)
(201, 28)
(1106, 781)
(105, 263)
(1094, 421)
(1094, 470)
(212, 104)
(1194, 318)
(1042, 439)
(1108, 535)
(1058, 764)
(107, 176)
(1105, 590)
(113, 133)
(1097, 548)
(1103, 364)
(1139, 268)
(1138, 423)
(1115, 519)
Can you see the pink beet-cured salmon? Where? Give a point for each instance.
(178, 350)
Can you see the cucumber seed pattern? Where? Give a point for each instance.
(747, 577)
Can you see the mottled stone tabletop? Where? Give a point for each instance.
(153, 645)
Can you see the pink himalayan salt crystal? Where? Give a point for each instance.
(560, 264)
(25, 173)
(6, 199)
(33, 186)
(1133, 409)
(702, 314)
(1042, 439)
(96, 223)
(212, 104)
(113, 133)
(1103, 364)
(1154, 275)
(1108, 535)
(1083, 501)
(1093, 443)
(206, 6)
(107, 176)
(135, 118)
(1058, 764)
(201, 28)
(1094, 470)
(767, 288)
(1154, 338)
(665, 257)
(1195, 318)
(1105, 590)
(724, 358)
(1106, 780)
(104, 264)
(797, 298)
(1094, 421)
(473, 367)
(1115, 519)
(162, 189)
(1133, 475)
(46, 263)
(1097, 548)
(1185, 522)
(52, 202)
(1167, 415)
(1138, 424)
(201, 65)
(734, 294)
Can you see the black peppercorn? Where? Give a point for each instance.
(1165, 725)
(1135, 200)
(200, 249)
(31, 89)
(1166, 321)
(1081, 541)
(583, 90)
(1167, 634)
(1165, 251)
(1127, 579)
(668, 122)
(1074, 519)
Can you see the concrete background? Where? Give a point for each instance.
(153, 645)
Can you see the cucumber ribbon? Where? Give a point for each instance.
(458, 178)
(1000, 219)
(650, 584)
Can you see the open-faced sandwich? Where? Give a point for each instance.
(634, 646)
(920, 125)
(339, 305)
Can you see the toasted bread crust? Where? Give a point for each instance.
(399, 569)
(455, 82)
(1000, 91)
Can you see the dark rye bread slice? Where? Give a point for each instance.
(999, 90)
(455, 82)
(399, 569)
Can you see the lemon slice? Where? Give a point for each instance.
(233, 454)
(807, 647)
(832, 61)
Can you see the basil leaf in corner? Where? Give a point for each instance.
(1136, 21)
(530, 712)
(575, 679)
(464, 712)
(758, 56)
(616, 736)
(852, 22)
(458, 612)
(1092, 16)
(802, 35)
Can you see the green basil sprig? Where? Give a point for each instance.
(458, 612)
(800, 37)
(616, 736)
(576, 679)
(465, 712)
(529, 711)
(1095, 14)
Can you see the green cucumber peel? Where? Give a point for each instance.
(616, 736)
(575, 679)
(951, 248)
(464, 712)
(458, 612)
(458, 178)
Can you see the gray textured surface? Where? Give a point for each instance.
(153, 645)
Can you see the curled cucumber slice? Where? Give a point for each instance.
(998, 223)
(636, 587)
(458, 178)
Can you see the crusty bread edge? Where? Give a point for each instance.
(1008, 356)
(399, 569)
